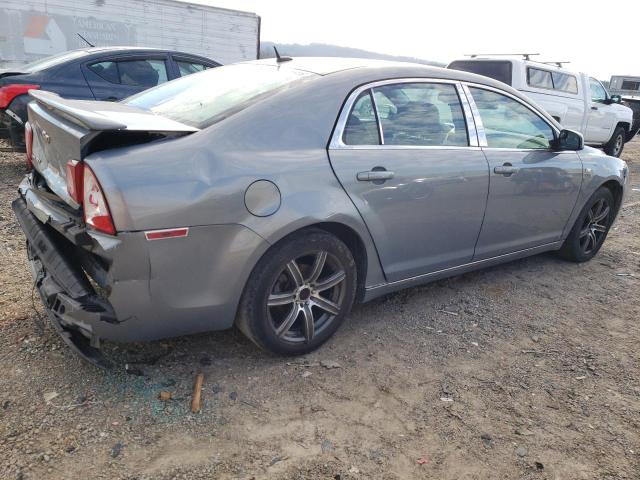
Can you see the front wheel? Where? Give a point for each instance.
(298, 294)
(615, 145)
(591, 227)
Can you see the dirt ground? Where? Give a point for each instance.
(529, 370)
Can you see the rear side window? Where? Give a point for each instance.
(539, 78)
(496, 69)
(362, 125)
(563, 82)
(411, 114)
(509, 124)
(143, 73)
(630, 85)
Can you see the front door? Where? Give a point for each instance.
(601, 117)
(532, 189)
(404, 157)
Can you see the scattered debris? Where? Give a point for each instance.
(48, 396)
(133, 370)
(329, 364)
(446, 399)
(277, 459)
(197, 393)
(116, 450)
(165, 395)
(233, 396)
(522, 452)
(581, 377)
(455, 314)
(326, 446)
(423, 461)
(486, 439)
(539, 465)
(306, 374)
(354, 469)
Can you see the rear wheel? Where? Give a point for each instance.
(591, 227)
(298, 294)
(615, 145)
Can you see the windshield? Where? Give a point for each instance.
(51, 61)
(205, 98)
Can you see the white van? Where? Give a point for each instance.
(577, 101)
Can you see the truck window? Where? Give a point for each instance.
(496, 69)
(564, 82)
(629, 85)
(598, 93)
(539, 78)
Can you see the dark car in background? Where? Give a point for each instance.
(100, 73)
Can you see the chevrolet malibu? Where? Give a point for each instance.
(272, 195)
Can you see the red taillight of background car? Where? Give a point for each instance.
(75, 180)
(96, 210)
(28, 140)
(9, 92)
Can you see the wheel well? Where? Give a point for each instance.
(625, 125)
(355, 244)
(616, 190)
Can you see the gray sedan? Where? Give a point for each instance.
(274, 194)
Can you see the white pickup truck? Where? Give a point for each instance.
(577, 101)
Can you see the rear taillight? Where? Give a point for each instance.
(96, 210)
(9, 92)
(28, 140)
(75, 179)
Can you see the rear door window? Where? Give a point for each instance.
(411, 114)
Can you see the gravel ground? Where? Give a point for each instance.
(527, 370)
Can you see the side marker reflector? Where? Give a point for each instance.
(169, 233)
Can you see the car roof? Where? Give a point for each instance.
(326, 66)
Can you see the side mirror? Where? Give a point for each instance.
(569, 140)
(616, 99)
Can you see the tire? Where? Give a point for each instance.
(283, 309)
(591, 228)
(615, 145)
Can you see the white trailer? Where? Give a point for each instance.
(33, 29)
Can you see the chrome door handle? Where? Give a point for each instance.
(594, 108)
(506, 169)
(374, 175)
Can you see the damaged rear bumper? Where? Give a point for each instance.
(71, 303)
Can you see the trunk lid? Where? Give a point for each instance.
(66, 130)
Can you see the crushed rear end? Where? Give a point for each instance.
(81, 273)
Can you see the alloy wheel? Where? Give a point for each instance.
(306, 296)
(595, 226)
(617, 148)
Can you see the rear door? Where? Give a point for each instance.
(601, 117)
(533, 189)
(118, 77)
(406, 157)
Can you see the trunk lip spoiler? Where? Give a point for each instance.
(88, 114)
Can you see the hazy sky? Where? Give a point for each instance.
(597, 37)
